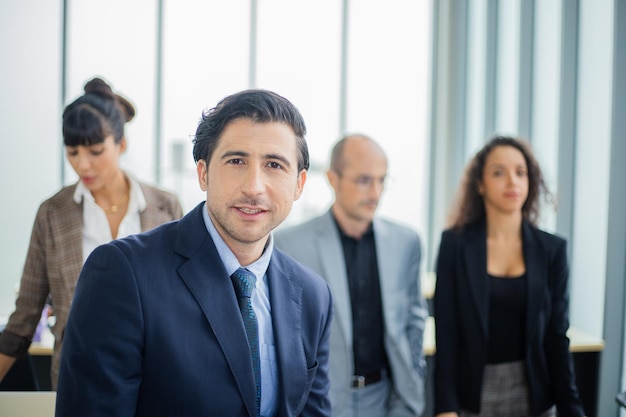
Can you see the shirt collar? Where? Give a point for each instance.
(368, 233)
(258, 267)
(136, 195)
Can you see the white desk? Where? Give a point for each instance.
(27, 403)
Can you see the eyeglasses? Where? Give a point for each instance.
(365, 182)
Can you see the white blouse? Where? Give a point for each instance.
(96, 230)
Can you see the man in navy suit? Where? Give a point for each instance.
(155, 327)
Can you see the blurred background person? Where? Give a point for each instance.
(372, 264)
(501, 298)
(106, 203)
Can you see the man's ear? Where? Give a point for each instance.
(300, 184)
(333, 178)
(203, 174)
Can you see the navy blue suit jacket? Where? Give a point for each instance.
(462, 321)
(155, 329)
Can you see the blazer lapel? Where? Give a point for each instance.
(69, 232)
(535, 260)
(286, 300)
(387, 261)
(328, 245)
(156, 212)
(210, 285)
(475, 254)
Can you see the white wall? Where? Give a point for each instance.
(30, 110)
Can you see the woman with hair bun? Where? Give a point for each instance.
(105, 204)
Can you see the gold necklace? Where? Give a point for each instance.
(114, 208)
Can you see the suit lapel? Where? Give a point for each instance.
(328, 245)
(156, 212)
(534, 259)
(387, 260)
(286, 300)
(210, 285)
(475, 254)
(69, 231)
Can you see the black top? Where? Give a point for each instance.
(507, 319)
(367, 317)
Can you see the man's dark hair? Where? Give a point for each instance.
(260, 106)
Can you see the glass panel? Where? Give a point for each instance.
(546, 95)
(205, 58)
(206, 53)
(508, 67)
(476, 74)
(116, 40)
(388, 96)
(299, 51)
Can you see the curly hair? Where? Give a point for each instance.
(470, 207)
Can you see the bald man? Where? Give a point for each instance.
(372, 266)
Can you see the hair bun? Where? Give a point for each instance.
(127, 107)
(100, 87)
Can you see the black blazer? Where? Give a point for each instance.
(462, 316)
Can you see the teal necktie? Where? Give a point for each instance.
(244, 281)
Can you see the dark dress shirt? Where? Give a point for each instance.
(367, 318)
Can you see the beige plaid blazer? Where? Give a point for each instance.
(54, 261)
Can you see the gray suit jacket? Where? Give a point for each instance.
(316, 243)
